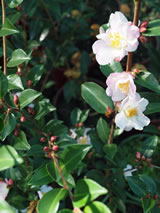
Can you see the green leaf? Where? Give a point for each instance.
(150, 184)
(40, 177)
(3, 84)
(72, 155)
(27, 96)
(1, 124)
(136, 185)
(43, 107)
(50, 201)
(8, 28)
(152, 108)
(84, 62)
(103, 129)
(96, 207)
(148, 204)
(153, 28)
(36, 73)
(65, 211)
(110, 150)
(9, 157)
(96, 97)
(18, 57)
(149, 146)
(14, 82)
(5, 207)
(147, 79)
(9, 126)
(87, 190)
(110, 68)
(105, 26)
(20, 142)
(14, 3)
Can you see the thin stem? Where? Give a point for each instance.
(135, 22)
(4, 41)
(111, 132)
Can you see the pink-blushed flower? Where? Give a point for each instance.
(3, 190)
(120, 85)
(131, 113)
(119, 39)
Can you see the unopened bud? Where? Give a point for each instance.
(53, 138)
(155, 197)
(18, 8)
(142, 29)
(42, 139)
(55, 148)
(46, 149)
(143, 158)
(80, 124)
(29, 109)
(49, 155)
(138, 155)
(15, 99)
(144, 24)
(148, 160)
(22, 119)
(136, 160)
(16, 132)
(76, 125)
(143, 39)
(19, 74)
(29, 83)
(10, 182)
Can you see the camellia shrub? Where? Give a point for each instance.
(105, 156)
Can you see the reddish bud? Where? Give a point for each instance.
(155, 197)
(138, 155)
(136, 160)
(15, 99)
(49, 155)
(144, 24)
(33, 112)
(29, 109)
(143, 39)
(29, 83)
(53, 138)
(142, 29)
(46, 149)
(19, 74)
(18, 8)
(42, 139)
(143, 158)
(80, 124)
(76, 125)
(22, 119)
(10, 182)
(16, 132)
(148, 160)
(55, 148)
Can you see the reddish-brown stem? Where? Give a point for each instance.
(111, 132)
(4, 40)
(135, 22)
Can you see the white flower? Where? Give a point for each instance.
(3, 190)
(128, 170)
(131, 113)
(85, 139)
(73, 134)
(117, 41)
(120, 85)
(44, 189)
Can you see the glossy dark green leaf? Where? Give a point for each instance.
(87, 190)
(147, 79)
(18, 57)
(27, 96)
(1, 124)
(96, 97)
(65, 211)
(9, 157)
(5, 207)
(96, 207)
(84, 62)
(43, 107)
(36, 73)
(3, 84)
(50, 201)
(14, 82)
(148, 204)
(150, 183)
(71, 160)
(8, 28)
(103, 129)
(136, 185)
(153, 28)
(9, 126)
(14, 3)
(20, 142)
(152, 108)
(149, 146)
(110, 68)
(40, 177)
(110, 150)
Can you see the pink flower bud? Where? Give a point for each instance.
(143, 158)
(46, 149)
(15, 99)
(29, 109)
(29, 83)
(144, 24)
(155, 197)
(53, 138)
(42, 139)
(22, 119)
(142, 29)
(16, 132)
(49, 155)
(143, 39)
(10, 182)
(55, 148)
(138, 155)
(19, 74)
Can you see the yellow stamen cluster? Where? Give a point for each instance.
(130, 112)
(124, 87)
(115, 40)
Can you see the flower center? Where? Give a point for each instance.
(130, 112)
(124, 87)
(83, 140)
(115, 40)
